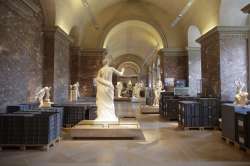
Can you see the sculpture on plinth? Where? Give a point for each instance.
(241, 97)
(43, 96)
(137, 90)
(74, 92)
(119, 88)
(105, 93)
(157, 92)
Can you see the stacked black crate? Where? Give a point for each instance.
(209, 113)
(189, 114)
(46, 128)
(92, 112)
(12, 108)
(171, 112)
(248, 129)
(228, 121)
(28, 106)
(241, 126)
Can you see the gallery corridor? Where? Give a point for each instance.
(164, 144)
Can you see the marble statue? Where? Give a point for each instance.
(74, 92)
(43, 96)
(241, 97)
(105, 93)
(119, 88)
(157, 92)
(129, 85)
(137, 90)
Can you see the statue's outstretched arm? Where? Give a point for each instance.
(119, 73)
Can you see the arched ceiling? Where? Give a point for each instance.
(205, 14)
(131, 68)
(70, 13)
(133, 37)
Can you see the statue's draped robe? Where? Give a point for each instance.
(105, 94)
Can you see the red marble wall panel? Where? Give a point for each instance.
(21, 53)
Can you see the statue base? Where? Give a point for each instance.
(146, 109)
(46, 104)
(124, 128)
(138, 100)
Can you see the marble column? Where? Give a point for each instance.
(75, 53)
(90, 61)
(56, 67)
(224, 59)
(246, 10)
(194, 70)
(174, 63)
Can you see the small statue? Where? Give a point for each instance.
(43, 96)
(241, 97)
(119, 88)
(129, 85)
(74, 92)
(157, 92)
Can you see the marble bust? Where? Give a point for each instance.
(105, 93)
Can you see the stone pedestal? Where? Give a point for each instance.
(224, 59)
(194, 70)
(56, 62)
(90, 62)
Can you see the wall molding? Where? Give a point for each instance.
(93, 52)
(172, 52)
(226, 32)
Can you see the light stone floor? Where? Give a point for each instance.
(164, 145)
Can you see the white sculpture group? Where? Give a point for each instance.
(74, 92)
(137, 89)
(241, 97)
(105, 93)
(43, 96)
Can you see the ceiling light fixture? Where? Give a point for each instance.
(182, 13)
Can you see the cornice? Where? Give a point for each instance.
(58, 33)
(173, 52)
(226, 31)
(93, 52)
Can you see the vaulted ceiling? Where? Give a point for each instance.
(93, 23)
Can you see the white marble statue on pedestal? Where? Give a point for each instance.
(129, 85)
(157, 92)
(43, 96)
(105, 93)
(74, 92)
(119, 88)
(241, 97)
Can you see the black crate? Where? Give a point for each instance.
(189, 114)
(241, 133)
(228, 121)
(209, 112)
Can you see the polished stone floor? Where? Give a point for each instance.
(164, 145)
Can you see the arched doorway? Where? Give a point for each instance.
(134, 37)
